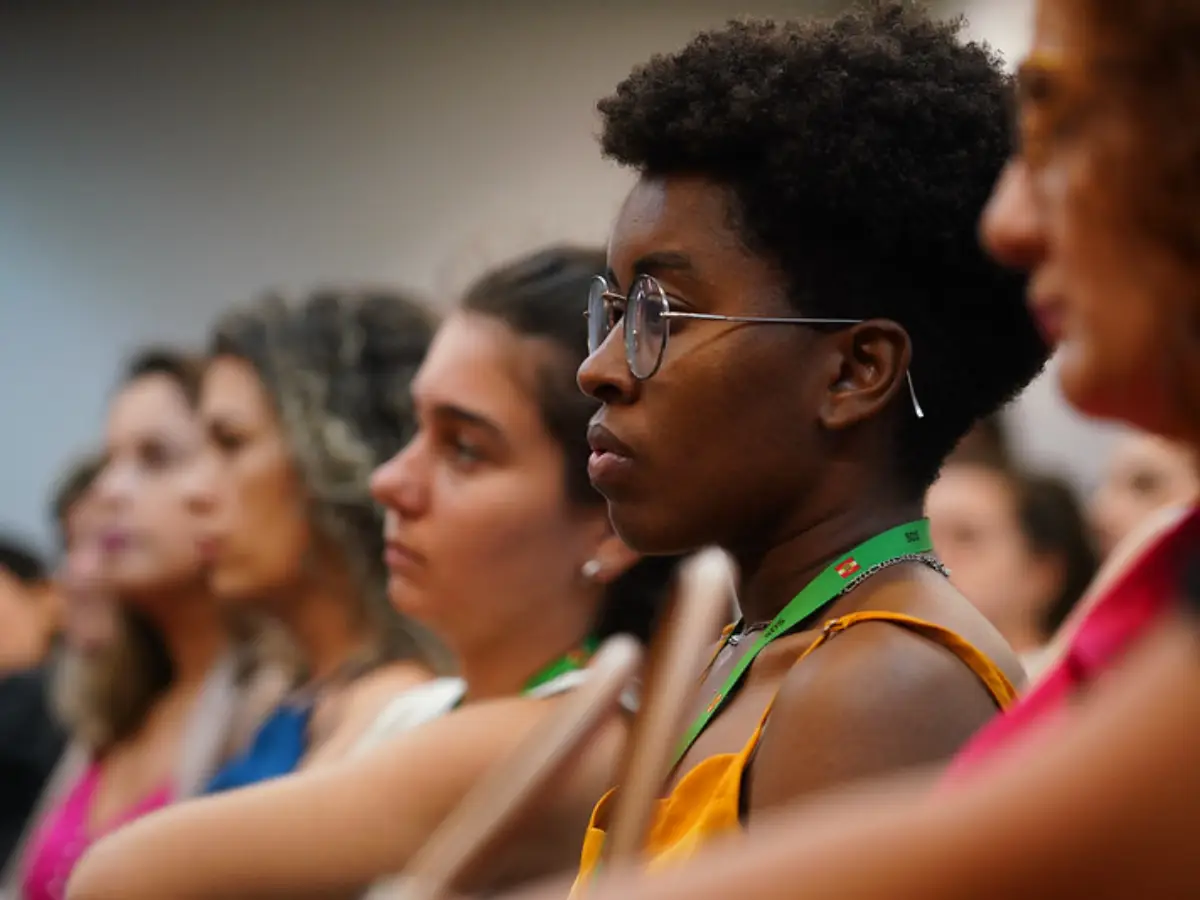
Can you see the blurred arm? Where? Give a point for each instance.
(333, 830)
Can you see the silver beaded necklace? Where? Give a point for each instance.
(926, 559)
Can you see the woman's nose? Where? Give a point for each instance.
(1011, 227)
(201, 482)
(605, 374)
(401, 482)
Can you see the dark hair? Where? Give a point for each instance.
(857, 155)
(21, 560)
(1190, 584)
(72, 487)
(185, 369)
(337, 367)
(544, 296)
(1140, 58)
(1053, 522)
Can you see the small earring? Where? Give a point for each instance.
(590, 569)
(912, 393)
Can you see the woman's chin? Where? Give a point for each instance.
(408, 598)
(644, 528)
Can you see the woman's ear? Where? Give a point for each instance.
(874, 360)
(610, 557)
(614, 558)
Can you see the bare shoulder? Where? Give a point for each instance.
(873, 699)
(882, 668)
(929, 596)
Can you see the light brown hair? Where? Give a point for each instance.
(337, 366)
(1140, 59)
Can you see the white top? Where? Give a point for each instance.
(410, 709)
(422, 704)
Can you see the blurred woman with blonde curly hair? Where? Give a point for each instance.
(300, 403)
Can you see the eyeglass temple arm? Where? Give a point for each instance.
(770, 320)
(713, 317)
(674, 314)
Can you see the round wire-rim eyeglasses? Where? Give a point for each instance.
(645, 315)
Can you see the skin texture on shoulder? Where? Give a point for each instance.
(373, 816)
(862, 705)
(873, 698)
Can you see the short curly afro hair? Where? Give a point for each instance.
(858, 154)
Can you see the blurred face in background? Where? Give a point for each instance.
(1115, 297)
(976, 530)
(89, 614)
(250, 501)
(481, 533)
(1144, 475)
(147, 538)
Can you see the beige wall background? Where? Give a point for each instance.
(159, 161)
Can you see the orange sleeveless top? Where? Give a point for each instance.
(706, 801)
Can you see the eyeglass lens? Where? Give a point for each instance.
(600, 314)
(645, 327)
(643, 324)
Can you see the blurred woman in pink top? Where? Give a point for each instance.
(152, 707)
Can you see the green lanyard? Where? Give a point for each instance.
(572, 662)
(909, 539)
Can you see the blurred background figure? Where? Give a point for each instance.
(1144, 474)
(149, 705)
(30, 740)
(1017, 545)
(30, 611)
(31, 737)
(987, 443)
(301, 402)
(89, 615)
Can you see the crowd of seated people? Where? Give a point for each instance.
(321, 577)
